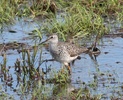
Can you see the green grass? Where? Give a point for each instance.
(78, 21)
(4, 95)
(81, 17)
(9, 9)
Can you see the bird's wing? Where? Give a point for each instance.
(72, 49)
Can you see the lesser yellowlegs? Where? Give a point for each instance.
(64, 52)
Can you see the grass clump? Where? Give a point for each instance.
(103, 6)
(6, 12)
(78, 21)
(24, 8)
(10, 9)
(82, 16)
(5, 96)
(99, 7)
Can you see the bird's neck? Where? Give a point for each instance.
(53, 45)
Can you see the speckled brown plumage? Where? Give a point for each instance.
(64, 52)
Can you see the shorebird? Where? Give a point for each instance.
(64, 52)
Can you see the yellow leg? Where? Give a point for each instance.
(69, 69)
(62, 69)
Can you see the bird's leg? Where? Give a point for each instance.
(67, 65)
(62, 69)
(69, 69)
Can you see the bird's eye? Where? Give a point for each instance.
(51, 37)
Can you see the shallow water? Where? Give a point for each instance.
(106, 71)
(108, 68)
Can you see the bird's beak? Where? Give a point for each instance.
(44, 41)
